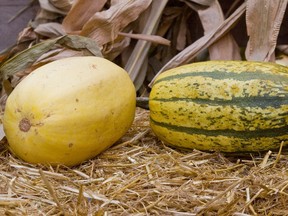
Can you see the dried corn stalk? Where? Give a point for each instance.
(263, 19)
(225, 48)
(104, 26)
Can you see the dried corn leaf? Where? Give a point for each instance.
(203, 2)
(283, 48)
(263, 19)
(27, 57)
(50, 30)
(115, 48)
(27, 34)
(105, 25)
(194, 49)
(182, 32)
(46, 5)
(64, 5)
(44, 16)
(225, 48)
(79, 42)
(139, 54)
(152, 38)
(80, 13)
(72, 45)
(56, 54)
(2, 133)
(168, 18)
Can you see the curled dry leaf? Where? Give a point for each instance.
(26, 58)
(46, 5)
(44, 16)
(80, 13)
(225, 48)
(104, 26)
(283, 48)
(263, 19)
(64, 5)
(50, 30)
(50, 56)
(113, 49)
(203, 2)
(168, 18)
(182, 32)
(27, 34)
(79, 42)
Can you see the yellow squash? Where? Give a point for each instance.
(68, 111)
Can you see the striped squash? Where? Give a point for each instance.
(228, 106)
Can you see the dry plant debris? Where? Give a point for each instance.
(142, 176)
(147, 37)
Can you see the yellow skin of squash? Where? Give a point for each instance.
(68, 111)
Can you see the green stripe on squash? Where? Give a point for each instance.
(271, 132)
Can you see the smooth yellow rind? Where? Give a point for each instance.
(77, 107)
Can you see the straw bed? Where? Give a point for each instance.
(140, 175)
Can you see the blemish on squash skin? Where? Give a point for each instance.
(77, 100)
(70, 145)
(39, 124)
(24, 125)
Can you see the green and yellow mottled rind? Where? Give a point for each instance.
(227, 106)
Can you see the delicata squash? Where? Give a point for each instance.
(228, 106)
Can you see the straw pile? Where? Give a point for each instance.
(140, 175)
